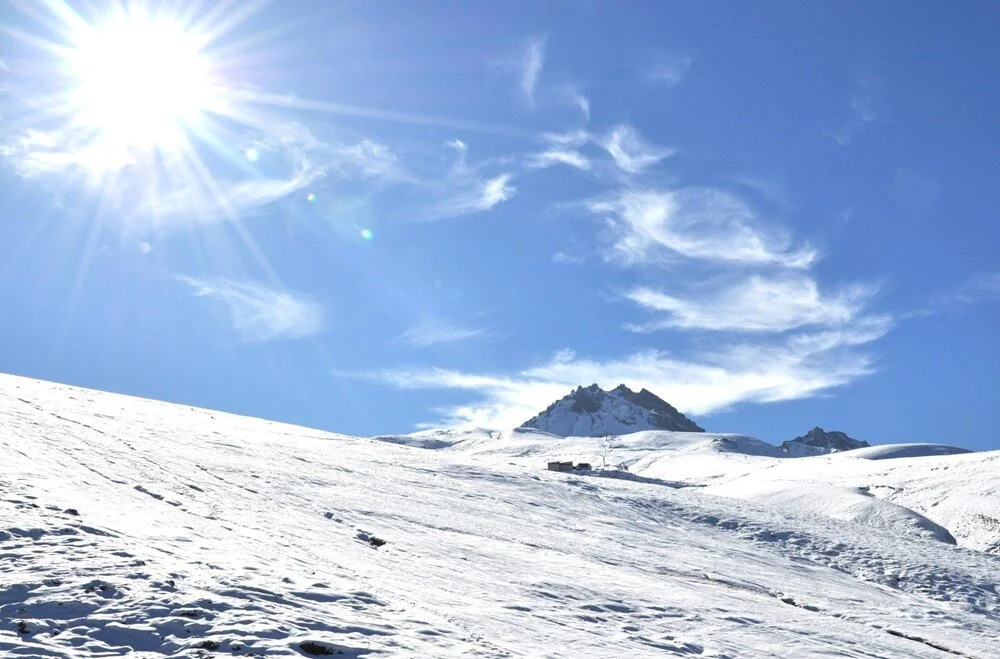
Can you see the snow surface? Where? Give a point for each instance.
(931, 485)
(135, 527)
(848, 504)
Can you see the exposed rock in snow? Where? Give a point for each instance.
(818, 442)
(593, 412)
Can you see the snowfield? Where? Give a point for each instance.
(130, 526)
(927, 489)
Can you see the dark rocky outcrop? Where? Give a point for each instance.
(818, 441)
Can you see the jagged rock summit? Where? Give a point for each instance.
(818, 441)
(593, 412)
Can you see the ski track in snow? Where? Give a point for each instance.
(139, 527)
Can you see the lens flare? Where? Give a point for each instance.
(367, 234)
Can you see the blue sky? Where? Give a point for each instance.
(371, 217)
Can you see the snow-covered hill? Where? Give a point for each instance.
(135, 527)
(593, 412)
(945, 492)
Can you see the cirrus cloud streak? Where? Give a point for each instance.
(261, 313)
(755, 304)
(662, 226)
(802, 366)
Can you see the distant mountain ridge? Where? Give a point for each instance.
(818, 441)
(593, 412)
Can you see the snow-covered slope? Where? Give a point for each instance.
(593, 412)
(848, 504)
(919, 488)
(959, 491)
(135, 527)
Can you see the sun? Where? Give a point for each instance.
(138, 82)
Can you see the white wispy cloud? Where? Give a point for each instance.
(35, 153)
(757, 303)
(367, 159)
(569, 157)
(192, 202)
(465, 189)
(649, 226)
(630, 152)
(568, 140)
(495, 190)
(801, 366)
(579, 100)
(987, 283)
(669, 70)
(431, 331)
(566, 257)
(473, 196)
(364, 159)
(866, 104)
(774, 193)
(977, 288)
(178, 190)
(865, 100)
(260, 313)
(532, 61)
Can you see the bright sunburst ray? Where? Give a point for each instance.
(137, 92)
(145, 104)
(129, 97)
(141, 83)
(132, 101)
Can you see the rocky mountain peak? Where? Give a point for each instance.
(593, 412)
(818, 441)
